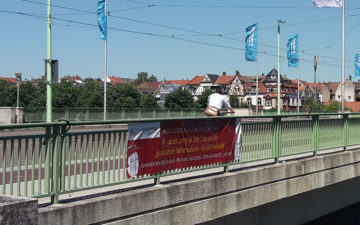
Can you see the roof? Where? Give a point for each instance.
(180, 82)
(273, 95)
(332, 85)
(213, 77)
(115, 80)
(147, 87)
(262, 88)
(225, 79)
(73, 78)
(196, 80)
(10, 80)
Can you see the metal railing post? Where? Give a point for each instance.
(48, 150)
(55, 188)
(157, 179)
(345, 136)
(276, 138)
(315, 133)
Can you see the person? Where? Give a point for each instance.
(215, 102)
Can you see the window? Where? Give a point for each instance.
(268, 102)
(249, 101)
(259, 102)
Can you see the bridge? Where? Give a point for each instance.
(291, 169)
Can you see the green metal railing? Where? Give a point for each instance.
(58, 161)
(33, 116)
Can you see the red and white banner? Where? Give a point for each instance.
(162, 146)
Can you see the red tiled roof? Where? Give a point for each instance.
(273, 95)
(73, 78)
(225, 79)
(354, 106)
(115, 80)
(196, 80)
(180, 82)
(10, 80)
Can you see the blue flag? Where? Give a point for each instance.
(102, 19)
(251, 43)
(292, 51)
(357, 66)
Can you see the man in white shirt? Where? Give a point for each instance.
(216, 101)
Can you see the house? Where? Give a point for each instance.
(112, 80)
(76, 79)
(249, 84)
(12, 81)
(271, 86)
(148, 88)
(167, 87)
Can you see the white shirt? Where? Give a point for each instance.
(217, 100)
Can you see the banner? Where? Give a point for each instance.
(357, 66)
(162, 146)
(102, 19)
(251, 43)
(327, 3)
(292, 51)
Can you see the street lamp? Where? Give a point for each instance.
(278, 78)
(18, 80)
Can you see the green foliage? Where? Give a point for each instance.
(334, 106)
(65, 94)
(203, 99)
(143, 77)
(29, 96)
(234, 101)
(7, 93)
(181, 99)
(91, 95)
(149, 102)
(123, 96)
(313, 105)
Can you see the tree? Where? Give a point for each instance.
(123, 96)
(153, 78)
(141, 77)
(65, 94)
(181, 99)
(7, 93)
(91, 95)
(149, 102)
(234, 101)
(333, 106)
(203, 99)
(29, 96)
(313, 105)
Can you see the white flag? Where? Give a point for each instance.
(327, 3)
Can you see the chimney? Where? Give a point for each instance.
(262, 74)
(224, 73)
(350, 78)
(237, 73)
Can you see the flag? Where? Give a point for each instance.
(102, 19)
(251, 43)
(357, 66)
(292, 51)
(327, 3)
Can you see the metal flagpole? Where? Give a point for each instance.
(343, 58)
(257, 69)
(48, 65)
(105, 64)
(298, 87)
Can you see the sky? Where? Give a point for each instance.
(175, 39)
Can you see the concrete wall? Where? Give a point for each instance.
(11, 115)
(208, 199)
(18, 211)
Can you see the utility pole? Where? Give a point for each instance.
(278, 77)
(49, 67)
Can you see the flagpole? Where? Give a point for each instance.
(343, 59)
(257, 69)
(105, 65)
(298, 94)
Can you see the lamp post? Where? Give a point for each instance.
(278, 77)
(18, 80)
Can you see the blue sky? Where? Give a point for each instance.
(199, 23)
